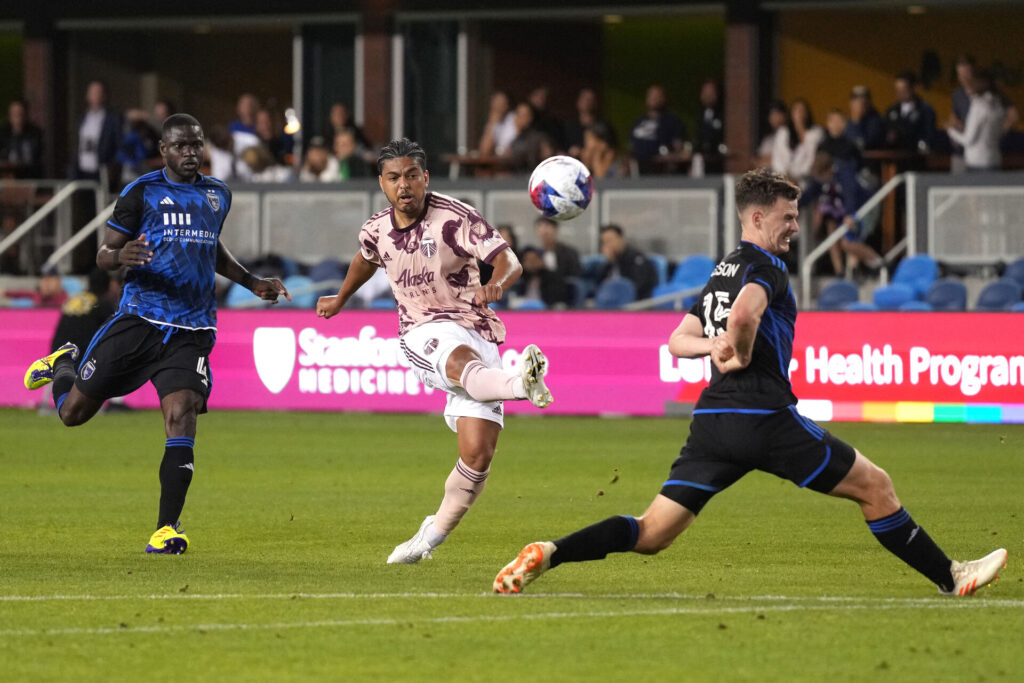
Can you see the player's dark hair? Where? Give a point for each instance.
(178, 121)
(397, 149)
(763, 187)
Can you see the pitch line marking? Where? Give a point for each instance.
(341, 623)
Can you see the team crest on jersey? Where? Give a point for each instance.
(430, 347)
(88, 369)
(428, 247)
(214, 199)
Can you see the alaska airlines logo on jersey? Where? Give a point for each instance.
(726, 269)
(214, 199)
(428, 247)
(408, 279)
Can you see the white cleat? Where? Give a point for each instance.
(415, 549)
(531, 562)
(532, 368)
(970, 576)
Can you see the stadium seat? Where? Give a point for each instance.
(915, 305)
(693, 271)
(21, 302)
(326, 270)
(615, 292)
(1015, 271)
(860, 306)
(301, 289)
(592, 265)
(530, 305)
(838, 294)
(669, 288)
(384, 303)
(947, 295)
(1017, 307)
(891, 297)
(577, 289)
(71, 285)
(240, 297)
(660, 264)
(999, 295)
(917, 272)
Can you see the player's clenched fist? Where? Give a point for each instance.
(328, 306)
(269, 289)
(135, 253)
(722, 351)
(488, 294)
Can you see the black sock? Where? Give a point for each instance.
(175, 476)
(909, 542)
(63, 379)
(613, 535)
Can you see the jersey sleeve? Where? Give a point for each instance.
(769, 276)
(368, 244)
(480, 239)
(127, 216)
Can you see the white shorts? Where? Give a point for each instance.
(428, 346)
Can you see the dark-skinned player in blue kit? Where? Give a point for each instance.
(166, 229)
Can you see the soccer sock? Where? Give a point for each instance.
(902, 537)
(175, 476)
(63, 379)
(463, 486)
(614, 535)
(491, 384)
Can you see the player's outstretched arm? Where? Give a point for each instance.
(507, 270)
(359, 272)
(734, 349)
(118, 249)
(688, 340)
(266, 288)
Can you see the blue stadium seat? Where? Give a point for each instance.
(615, 292)
(301, 289)
(328, 269)
(577, 290)
(21, 302)
(660, 264)
(918, 272)
(239, 296)
(531, 305)
(1017, 307)
(384, 303)
(669, 288)
(836, 295)
(71, 285)
(693, 271)
(915, 305)
(592, 265)
(860, 306)
(891, 297)
(947, 295)
(1015, 271)
(999, 295)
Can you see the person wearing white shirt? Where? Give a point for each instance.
(983, 128)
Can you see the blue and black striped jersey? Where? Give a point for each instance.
(182, 223)
(764, 384)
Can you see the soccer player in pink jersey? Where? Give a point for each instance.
(428, 245)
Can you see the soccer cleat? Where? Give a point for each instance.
(532, 368)
(531, 562)
(968, 577)
(40, 373)
(168, 540)
(415, 549)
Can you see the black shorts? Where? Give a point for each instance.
(128, 351)
(722, 447)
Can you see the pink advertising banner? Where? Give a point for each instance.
(852, 366)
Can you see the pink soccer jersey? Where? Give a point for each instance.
(432, 264)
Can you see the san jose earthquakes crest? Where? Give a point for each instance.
(214, 199)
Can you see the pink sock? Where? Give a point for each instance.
(491, 384)
(460, 490)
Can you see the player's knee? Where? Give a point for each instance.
(72, 417)
(478, 458)
(180, 418)
(652, 539)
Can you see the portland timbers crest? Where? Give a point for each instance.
(214, 199)
(428, 247)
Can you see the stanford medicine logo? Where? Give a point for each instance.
(273, 349)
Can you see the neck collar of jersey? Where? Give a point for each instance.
(163, 172)
(415, 223)
(760, 249)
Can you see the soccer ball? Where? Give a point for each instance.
(561, 187)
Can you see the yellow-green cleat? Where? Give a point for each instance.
(168, 540)
(40, 373)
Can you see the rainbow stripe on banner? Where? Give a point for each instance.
(910, 411)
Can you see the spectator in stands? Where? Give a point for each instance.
(910, 121)
(835, 141)
(139, 151)
(543, 119)
(246, 109)
(162, 108)
(598, 153)
(866, 128)
(500, 129)
(350, 164)
(220, 154)
(794, 150)
(50, 291)
(983, 127)
(530, 145)
(709, 140)
(341, 119)
(99, 135)
(657, 132)
(841, 194)
(261, 167)
(320, 165)
(966, 70)
(586, 116)
(538, 282)
(778, 117)
(558, 257)
(273, 137)
(625, 261)
(21, 143)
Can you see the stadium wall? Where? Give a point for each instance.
(898, 367)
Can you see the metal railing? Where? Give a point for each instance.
(90, 228)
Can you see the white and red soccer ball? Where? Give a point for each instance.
(561, 187)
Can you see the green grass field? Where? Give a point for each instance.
(291, 517)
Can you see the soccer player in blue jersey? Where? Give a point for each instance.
(746, 418)
(166, 229)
